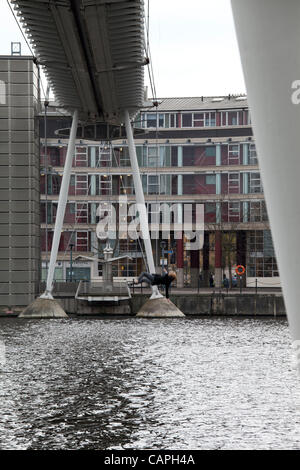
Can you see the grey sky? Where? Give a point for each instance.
(193, 46)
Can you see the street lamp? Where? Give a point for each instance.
(71, 261)
(163, 251)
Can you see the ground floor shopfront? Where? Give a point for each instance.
(220, 253)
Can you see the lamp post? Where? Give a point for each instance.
(71, 261)
(163, 252)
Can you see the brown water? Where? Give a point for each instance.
(135, 384)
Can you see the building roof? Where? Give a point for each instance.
(92, 52)
(203, 102)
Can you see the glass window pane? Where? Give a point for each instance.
(187, 120)
(151, 120)
(210, 179)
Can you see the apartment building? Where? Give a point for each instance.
(191, 151)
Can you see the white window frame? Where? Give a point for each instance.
(232, 155)
(86, 232)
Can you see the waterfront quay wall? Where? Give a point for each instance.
(190, 303)
(223, 304)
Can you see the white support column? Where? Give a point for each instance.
(218, 154)
(246, 154)
(218, 183)
(140, 202)
(62, 202)
(268, 33)
(245, 183)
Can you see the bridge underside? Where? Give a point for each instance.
(92, 53)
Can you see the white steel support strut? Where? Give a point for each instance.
(62, 202)
(268, 33)
(140, 201)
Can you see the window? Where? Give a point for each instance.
(233, 183)
(233, 154)
(224, 118)
(161, 120)
(210, 119)
(165, 155)
(198, 119)
(82, 241)
(255, 211)
(261, 260)
(255, 183)
(173, 120)
(210, 151)
(234, 150)
(165, 184)
(140, 155)
(210, 208)
(78, 274)
(81, 184)
(153, 185)
(126, 268)
(232, 118)
(54, 156)
(187, 120)
(252, 155)
(210, 179)
(126, 184)
(233, 211)
(81, 156)
(153, 157)
(81, 213)
(103, 185)
(151, 119)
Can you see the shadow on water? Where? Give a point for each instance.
(134, 383)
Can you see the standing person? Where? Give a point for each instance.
(211, 280)
(225, 282)
(156, 279)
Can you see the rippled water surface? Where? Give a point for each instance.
(136, 384)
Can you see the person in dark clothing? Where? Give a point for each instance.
(211, 280)
(225, 282)
(158, 280)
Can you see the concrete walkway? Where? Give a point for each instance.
(207, 290)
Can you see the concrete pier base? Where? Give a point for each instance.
(43, 308)
(159, 308)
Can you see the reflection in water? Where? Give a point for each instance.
(136, 383)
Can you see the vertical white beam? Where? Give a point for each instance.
(218, 183)
(245, 183)
(180, 156)
(245, 154)
(62, 201)
(140, 201)
(268, 33)
(179, 185)
(218, 154)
